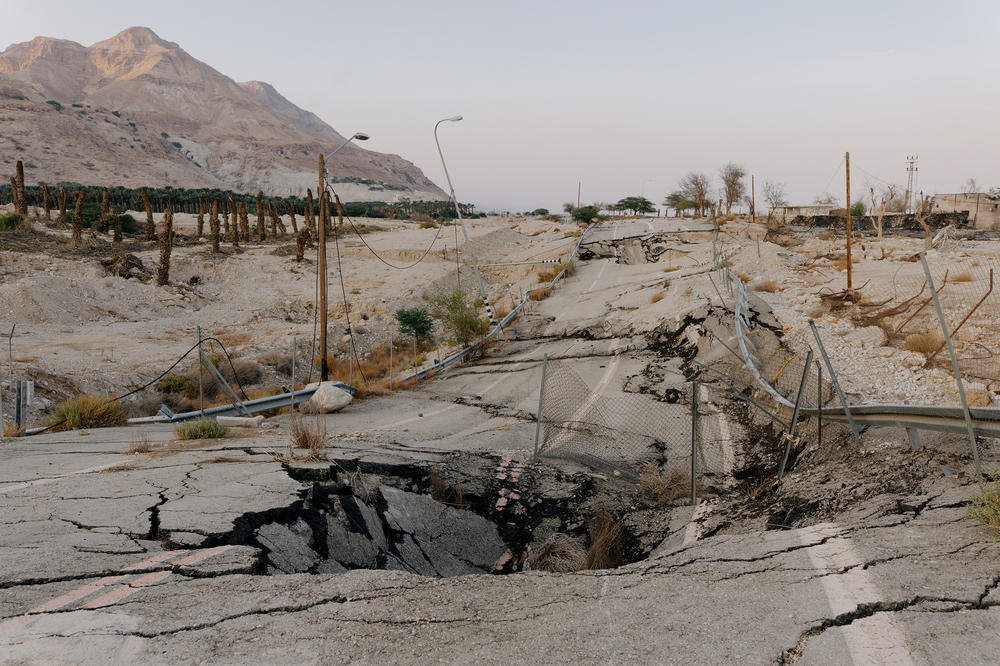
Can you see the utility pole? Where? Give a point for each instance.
(911, 182)
(847, 167)
(753, 199)
(324, 370)
(579, 185)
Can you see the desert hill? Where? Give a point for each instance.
(138, 110)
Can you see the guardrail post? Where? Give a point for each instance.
(954, 365)
(694, 442)
(541, 402)
(201, 389)
(819, 404)
(836, 384)
(795, 415)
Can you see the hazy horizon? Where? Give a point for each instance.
(625, 99)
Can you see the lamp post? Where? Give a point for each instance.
(324, 370)
(461, 221)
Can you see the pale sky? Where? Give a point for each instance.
(625, 96)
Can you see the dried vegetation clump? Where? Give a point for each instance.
(657, 297)
(984, 504)
(605, 550)
(88, 411)
(309, 436)
(663, 487)
(925, 343)
(561, 553)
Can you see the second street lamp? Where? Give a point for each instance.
(461, 222)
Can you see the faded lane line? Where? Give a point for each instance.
(129, 588)
(693, 530)
(564, 434)
(878, 640)
(53, 479)
(594, 283)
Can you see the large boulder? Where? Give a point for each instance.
(328, 398)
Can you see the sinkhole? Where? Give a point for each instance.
(457, 515)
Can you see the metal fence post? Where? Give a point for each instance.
(833, 378)
(201, 389)
(18, 409)
(954, 364)
(294, 345)
(390, 360)
(541, 402)
(819, 404)
(694, 441)
(795, 415)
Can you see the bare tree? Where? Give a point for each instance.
(774, 194)
(879, 209)
(733, 187)
(696, 187)
(922, 212)
(971, 186)
(826, 199)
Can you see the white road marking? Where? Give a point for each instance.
(693, 529)
(876, 640)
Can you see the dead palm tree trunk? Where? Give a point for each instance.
(78, 218)
(150, 224)
(166, 243)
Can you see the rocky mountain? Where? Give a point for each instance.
(138, 110)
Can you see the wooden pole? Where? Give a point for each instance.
(324, 370)
(847, 167)
(579, 185)
(753, 199)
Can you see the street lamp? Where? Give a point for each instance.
(324, 370)
(461, 221)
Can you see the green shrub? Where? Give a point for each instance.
(584, 213)
(10, 222)
(985, 504)
(177, 384)
(200, 429)
(88, 411)
(414, 321)
(459, 317)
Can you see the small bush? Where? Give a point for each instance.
(88, 411)
(657, 297)
(200, 429)
(428, 224)
(459, 317)
(925, 343)
(280, 361)
(11, 222)
(177, 384)
(547, 275)
(984, 504)
(439, 490)
(540, 293)
(140, 443)
(414, 321)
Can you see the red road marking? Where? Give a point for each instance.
(128, 588)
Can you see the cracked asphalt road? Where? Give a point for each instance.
(106, 557)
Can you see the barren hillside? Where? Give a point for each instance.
(138, 110)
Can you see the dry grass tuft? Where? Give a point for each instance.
(88, 411)
(671, 269)
(962, 277)
(769, 286)
(234, 338)
(925, 343)
(428, 224)
(605, 551)
(221, 459)
(308, 437)
(561, 554)
(200, 429)
(11, 430)
(984, 504)
(124, 467)
(548, 274)
(755, 488)
(663, 486)
(140, 443)
(540, 293)
(657, 297)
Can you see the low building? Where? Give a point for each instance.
(983, 209)
(811, 210)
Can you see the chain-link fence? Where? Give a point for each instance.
(629, 432)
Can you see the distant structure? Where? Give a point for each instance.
(911, 182)
(810, 210)
(983, 209)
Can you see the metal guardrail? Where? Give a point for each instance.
(463, 353)
(250, 406)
